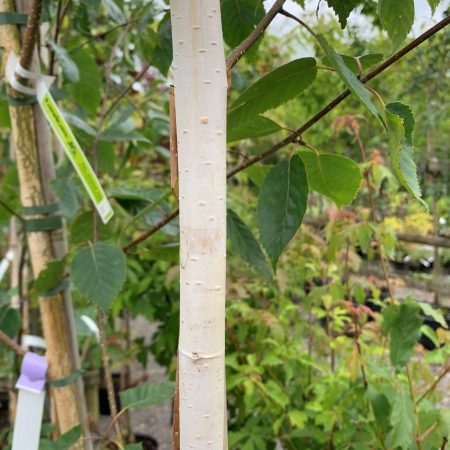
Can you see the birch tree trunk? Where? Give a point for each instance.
(200, 94)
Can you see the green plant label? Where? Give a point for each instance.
(74, 152)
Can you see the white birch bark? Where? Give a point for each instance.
(200, 94)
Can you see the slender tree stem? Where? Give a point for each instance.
(295, 135)
(444, 372)
(12, 345)
(247, 43)
(416, 412)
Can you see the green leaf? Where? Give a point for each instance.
(50, 276)
(343, 8)
(276, 88)
(133, 447)
(282, 205)
(98, 272)
(400, 126)
(68, 66)
(257, 173)
(246, 245)
(436, 315)
(163, 53)
(335, 176)
(397, 18)
(241, 127)
(403, 422)
(82, 226)
(239, 18)
(116, 134)
(298, 418)
(147, 395)
(402, 323)
(380, 406)
(365, 61)
(349, 78)
(10, 322)
(87, 91)
(64, 442)
(433, 5)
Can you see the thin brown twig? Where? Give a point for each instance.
(12, 345)
(444, 372)
(246, 44)
(60, 14)
(294, 136)
(416, 412)
(11, 211)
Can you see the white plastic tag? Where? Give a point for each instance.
(6, 261)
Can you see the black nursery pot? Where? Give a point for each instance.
(148, 442)
(103, 395)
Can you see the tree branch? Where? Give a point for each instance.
(30, 34)
(246, 44)
(295, 135)
(16, 348)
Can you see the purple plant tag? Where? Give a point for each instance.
(32, 373)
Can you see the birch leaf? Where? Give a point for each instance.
(402, 434)
(147, 395)
(282, 205)
(400, 126)
(239, 127)
(343, 8)
(98, 272)
(276, 88)
(246, 244)
(402, 323)
(349, 78)
(68, 66)
(239, 18)
(397, 18)
(335, 176)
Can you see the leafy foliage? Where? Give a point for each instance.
(400, 126)
(246, 245)
(343, 8)
(282, 205)
(147, 395)
(332, 175)
(239, 17)
(397, 18)
(402, 323)
(64, 442)
(98, 272)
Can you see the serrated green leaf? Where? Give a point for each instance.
(240, 127)
(335, 176)
(276, 88)
(87, 91)
(403, 422)
(402, 323)
(349, 78)
(298, 419)
(68, 66)
(98, 272)
(239, 18)
(400, 126)
(435, 314)
(433, 5)
(397, 18)
(343, 8)
(246, 245)
(147, 395)
(64, 442)
(82, 226)
(50, 276)
(282, 205)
